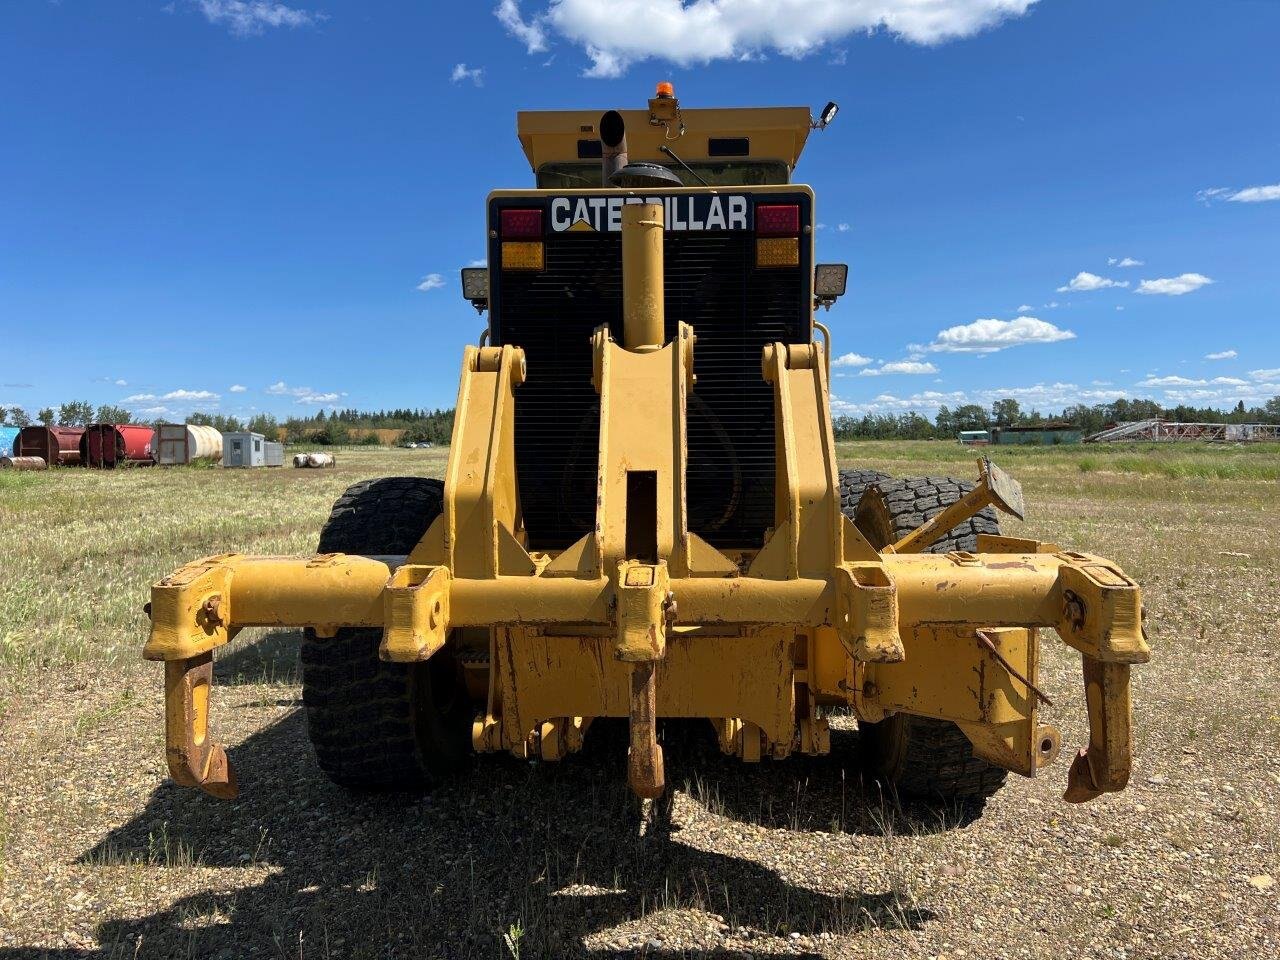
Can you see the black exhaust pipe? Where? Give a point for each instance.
(613, 145)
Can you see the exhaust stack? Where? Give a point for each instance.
(613, 145)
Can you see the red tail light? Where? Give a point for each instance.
(777, 220)
(521, 224)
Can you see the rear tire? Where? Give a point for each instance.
(920, 756)
(377, 725)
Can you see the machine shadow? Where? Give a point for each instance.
(551, 852)
(827, 793)
(269, 658)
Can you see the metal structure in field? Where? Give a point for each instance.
(247, 449)
(1166, 431)
(57, 446)
(642, 516)
(178, 443)
(108, 445)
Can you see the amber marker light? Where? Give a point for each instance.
(522, 255)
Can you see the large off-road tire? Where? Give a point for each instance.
(377, 725)
(919, 756)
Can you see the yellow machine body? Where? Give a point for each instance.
(641, 618)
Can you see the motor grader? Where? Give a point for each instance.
(643, 517)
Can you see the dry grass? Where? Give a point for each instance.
(102, 857)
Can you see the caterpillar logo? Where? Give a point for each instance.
(689, 212)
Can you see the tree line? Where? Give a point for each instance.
(1008, 412)
(436, 426)
(77, 413)
(338, 427)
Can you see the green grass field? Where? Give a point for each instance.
(102, 856)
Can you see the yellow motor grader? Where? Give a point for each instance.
(643, 517)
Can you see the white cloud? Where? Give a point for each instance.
(1213, 193)
(1272, 374)
(1050, 396)
(1256, 194)
(1046, 397)
(1221, 355)
(1052, 305)
(900, 366)
(843, 227)
(926, 400)
(1171, 381)
(1248, 195)
(1125, 262)
(251, 17)
(237, 388)
(477, 263)
(851, 360)
(155, 412)
(122, 383)
(432, 281)
(1174, 286)
(1083, 282)
(461, 73)
(1025, 308)
(1217, 394)
(988, 336)
(190, 395)
(617, 33)
(302, 394)
(529, 32)
(139, 398)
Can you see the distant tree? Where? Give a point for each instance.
(944, 422)
(45, 416)
(265, 424)
(331, 432)
(112, 414)
(77, 413)
(17, 417)
(1006, 412)
(972, 417)
(1273, 408)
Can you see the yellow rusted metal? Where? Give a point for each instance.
(415, 613)
(643, 312)
(644, 599)
(194, 759)
(1103, 766)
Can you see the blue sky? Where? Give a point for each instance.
(235, 205)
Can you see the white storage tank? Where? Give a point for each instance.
(176, 443)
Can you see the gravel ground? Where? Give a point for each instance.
(102, 856)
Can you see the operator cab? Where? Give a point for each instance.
(743, 146)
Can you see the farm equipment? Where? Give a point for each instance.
(642, 517)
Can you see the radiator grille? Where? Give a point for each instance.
(712, 283)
